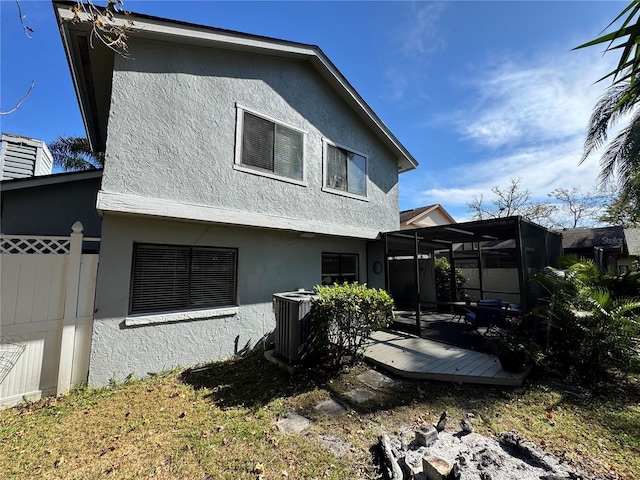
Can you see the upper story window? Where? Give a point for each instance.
(269, 147)
(170, 278)
(345, 170)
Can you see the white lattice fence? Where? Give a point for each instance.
(37, 245)
(47, 289)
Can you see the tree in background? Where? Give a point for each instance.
(624, 208)
(509, 201)
(572, 208)
(74, 154)
(576, 208)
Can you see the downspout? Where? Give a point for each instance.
(417, 278)
(521, 280)
(452, 275)
(480, 267)
(386, 263)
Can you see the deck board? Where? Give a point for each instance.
(413, 357)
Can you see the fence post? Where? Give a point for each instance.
(67, 343)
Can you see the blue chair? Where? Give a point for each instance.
(489, 313)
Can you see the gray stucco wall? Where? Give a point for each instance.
(268, 262)
(51, 209)
(172, 130)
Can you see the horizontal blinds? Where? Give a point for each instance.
(213, 277)
(288, 153)
(170, 278)
(257, 142)
(272, 147)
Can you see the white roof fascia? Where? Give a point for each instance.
(51, 179)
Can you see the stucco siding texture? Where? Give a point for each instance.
(172, 135)
(269, 261)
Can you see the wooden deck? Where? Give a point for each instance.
(408, 356)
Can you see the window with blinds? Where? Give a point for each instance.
(170, 278)
(339, 268)
(271, 147)
(346, 170)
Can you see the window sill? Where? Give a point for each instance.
(262, 173)
(137, 320)
(345, 194)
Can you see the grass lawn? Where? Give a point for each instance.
(218, 423)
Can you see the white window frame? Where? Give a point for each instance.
(240, 111)
(325, 171)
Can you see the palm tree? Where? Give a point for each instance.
(621, 158)
(74, 154)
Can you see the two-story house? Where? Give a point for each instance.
(236, 166)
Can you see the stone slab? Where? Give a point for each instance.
(332, 408)
(376, 380)
(361, 395)
(292, 423)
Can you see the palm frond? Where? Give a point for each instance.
(75, 154)
(622, 155)
(611, 106)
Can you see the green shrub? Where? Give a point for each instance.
(513, 351)
(590, 328)
(343, 317)
(443, 280)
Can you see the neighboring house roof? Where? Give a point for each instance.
(419, 217)
(92, 68)
(610, 238)
(29, 182)
(632, 238)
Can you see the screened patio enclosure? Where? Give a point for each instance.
(496, 257)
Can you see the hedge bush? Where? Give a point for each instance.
(342, 319)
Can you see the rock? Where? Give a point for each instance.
(292, 423)
(411, 463)
(456, 472)
(436, 468)
(361, 395)
(485, 476)
(394, 471)
(376, 380)
(465, 424)
(558, 477)
(426, 435)
(527, 450)
(332, 408)
(442, 423)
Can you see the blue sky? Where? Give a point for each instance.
(479, 92)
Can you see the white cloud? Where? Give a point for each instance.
(541, 170)
(527, 119)
(422, 36)
(533, 100)
(414, 42)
